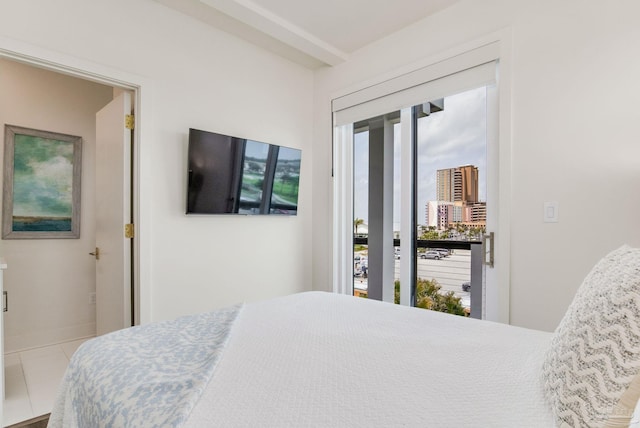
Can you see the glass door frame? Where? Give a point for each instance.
(498, 154)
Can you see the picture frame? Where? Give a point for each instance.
(41, 184)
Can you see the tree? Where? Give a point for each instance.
(357, 222)
(462, 228)
(254, 166)
(477, 231)
(428, 296)
(430, 233)
(450, 230)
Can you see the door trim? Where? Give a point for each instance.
(141, 87)
(498, 305)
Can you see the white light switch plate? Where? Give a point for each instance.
(550, 212)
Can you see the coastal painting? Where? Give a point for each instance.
(41, 189)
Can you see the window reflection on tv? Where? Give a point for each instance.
(254, 169)
(230, 175)
(284, 194)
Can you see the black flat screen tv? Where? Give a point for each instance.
(231, 175)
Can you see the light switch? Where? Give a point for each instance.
(550, 212)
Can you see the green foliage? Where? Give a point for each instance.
(428, 296)
(255, 167)
(469, 231)
(475, 232)
(396, 292)
(286, 188)
(429, 233)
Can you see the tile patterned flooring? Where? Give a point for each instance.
(32, 378)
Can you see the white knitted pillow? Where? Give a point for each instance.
(591, 370)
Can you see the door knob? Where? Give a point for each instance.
(96, 254)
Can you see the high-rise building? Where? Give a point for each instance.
(440, 214)
(457, 198)
(445, 182)
(468, 184)
(431, 214)
(448, 213)
(475, 213)
(457, 184)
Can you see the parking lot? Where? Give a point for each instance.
(450, 272)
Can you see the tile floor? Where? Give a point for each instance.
(32, 378)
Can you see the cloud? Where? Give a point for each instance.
(453, 137)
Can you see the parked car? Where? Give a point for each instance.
(443, 252)
(431, 255)
(360, 272)
(466, 286)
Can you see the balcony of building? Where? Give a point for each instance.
(455, 266)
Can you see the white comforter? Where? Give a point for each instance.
(325, 360)
(146, 376)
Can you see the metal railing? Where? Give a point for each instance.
(475, 269)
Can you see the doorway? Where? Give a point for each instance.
(401, 102)
(41, 265)
(48, 100)
(446, 211)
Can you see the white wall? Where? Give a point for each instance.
(575, 126)
(50, 280)
(574, 120)
(200, 78)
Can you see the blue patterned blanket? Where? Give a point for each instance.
(146, 376)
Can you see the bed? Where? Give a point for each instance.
(319, 359)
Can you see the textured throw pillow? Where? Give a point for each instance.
(591, 371)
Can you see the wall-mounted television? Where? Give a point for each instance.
(231, 175)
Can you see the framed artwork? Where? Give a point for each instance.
(41, 188)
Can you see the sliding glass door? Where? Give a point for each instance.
(420, 202)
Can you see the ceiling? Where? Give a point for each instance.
(312, 33)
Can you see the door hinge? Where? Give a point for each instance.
(129, 230)
(129, 121)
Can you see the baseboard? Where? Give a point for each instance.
(39, 422)
(31, 340)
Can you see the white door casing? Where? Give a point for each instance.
(113, 211)
(410, 87)
(142, 88)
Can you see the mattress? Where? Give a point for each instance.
(309, 360)
(326, 360)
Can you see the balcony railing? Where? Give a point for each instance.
(460, 272)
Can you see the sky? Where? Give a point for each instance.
(453, 137)
(257, 149)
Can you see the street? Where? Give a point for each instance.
(450, 272)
